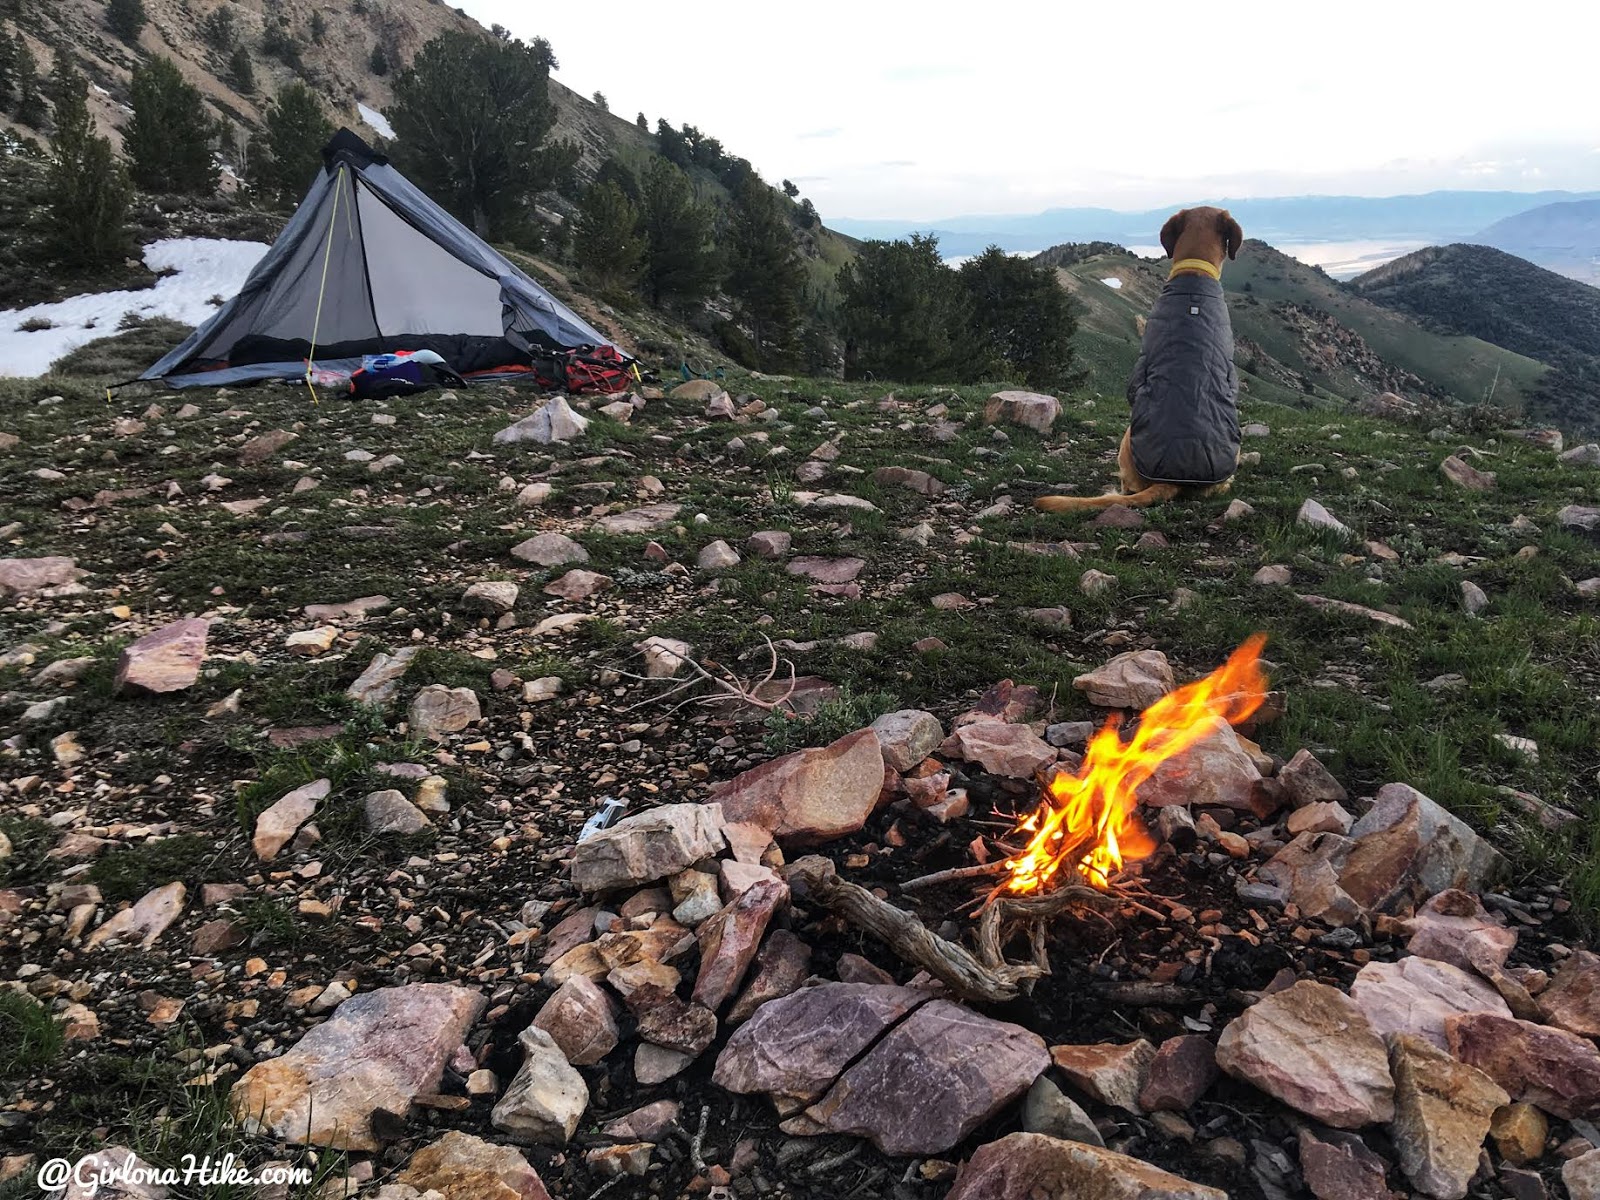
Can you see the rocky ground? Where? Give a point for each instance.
(305, 706)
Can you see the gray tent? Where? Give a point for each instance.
(369, 264)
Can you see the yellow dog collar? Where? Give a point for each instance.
(1196, 264)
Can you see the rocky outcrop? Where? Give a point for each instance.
(378, 1050)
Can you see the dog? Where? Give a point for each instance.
(1183, 439)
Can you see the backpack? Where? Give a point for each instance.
(586, 369)
(402, 373)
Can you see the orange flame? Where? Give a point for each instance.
(1089, 815)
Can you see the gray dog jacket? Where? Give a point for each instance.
(1185, 390)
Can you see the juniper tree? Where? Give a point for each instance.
(291, 148)
(766, 277)
(1022, 320)
(169, 139)
(606, 242)
(471, 116)
(242, 71)
(681, 264)
(87, 187)
(31, 109)
(903, 312)
(126, 19)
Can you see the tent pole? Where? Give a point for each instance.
(327, 256)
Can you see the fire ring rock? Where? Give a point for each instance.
(1033, 1164)
(1311, 1047)
(648, 846)
(810, 796)
(1136, 679)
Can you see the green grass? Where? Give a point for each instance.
(130, 873)
(30, 1038)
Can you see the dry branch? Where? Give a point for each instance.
(981, 871)
(908, 937)
(729, 686)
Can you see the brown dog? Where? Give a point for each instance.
(1184, 436)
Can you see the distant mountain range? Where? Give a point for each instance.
(1564, 237)
(1431, 218)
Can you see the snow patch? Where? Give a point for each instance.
(205, 267)
(378, 122)
(1113, 282)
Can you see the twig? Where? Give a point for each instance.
(980, 871)
(729, 684)
(908, 937)
(697, 1142)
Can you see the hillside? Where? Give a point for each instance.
(1485, 293)
(1300, 337)
(1564, 237)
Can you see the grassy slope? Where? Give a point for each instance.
(1461, 367)
(1356, 691)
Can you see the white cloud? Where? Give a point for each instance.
(1022, 107)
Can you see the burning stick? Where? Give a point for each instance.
(902, 932)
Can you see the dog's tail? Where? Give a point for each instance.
(1156, 493)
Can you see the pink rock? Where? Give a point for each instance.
(812, 795)
(666, 1020)
(1112, 1074)
(582, 1020)
(826, 570)
(29, 576)
(1216, 771)
(1454, 927)
(852, 968)
(1012, 751)
(460, 1166)
(1320, 817)
(379, 1050)
(1033, 410)
(932, 1080)
(1417, 995)
(572, 930)
(796, 1045)
(1307, 870)
(167, 660)
(1407, 846)
(648, 846)
(729, 940)
(769, 544)
(1182, 1071)
(1442, 1113)
(263, 446)
(1119, 516)
(143, 921)
(1338, 1166)
(1035, 1165)
(578, 584)
(1551, 1068)
(1572, 999)
(917, 481)
(738, 877)
(648, 1124)
(1311, 1047)
(782, 966)
(1136, 679)
(1306, 781)
(747, 841)
(283, 819)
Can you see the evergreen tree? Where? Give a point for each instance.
(126, 19)
(681, 265)
(8, 71)
(169, 139)
(790, 190)
(87, 186)
(31, 109)
(219, 29)
(242, 71)
(618, 172)
(606, 242)
(601, 102)
(379, 62)
(1022, 320)
(672, 145)
(471, 116)
(903, 312)
(290, 150)
(319, 27)
(766, 277)
(642, 122)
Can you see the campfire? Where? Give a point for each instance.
(1087, 820)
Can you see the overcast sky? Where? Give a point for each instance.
(934, 110)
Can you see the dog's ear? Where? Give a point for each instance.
(1232, 234)
(1171, 230)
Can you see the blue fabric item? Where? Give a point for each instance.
(1185, 388)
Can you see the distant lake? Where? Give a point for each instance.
(1342, 260)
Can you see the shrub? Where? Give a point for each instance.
(126, 19)
(833, 719)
